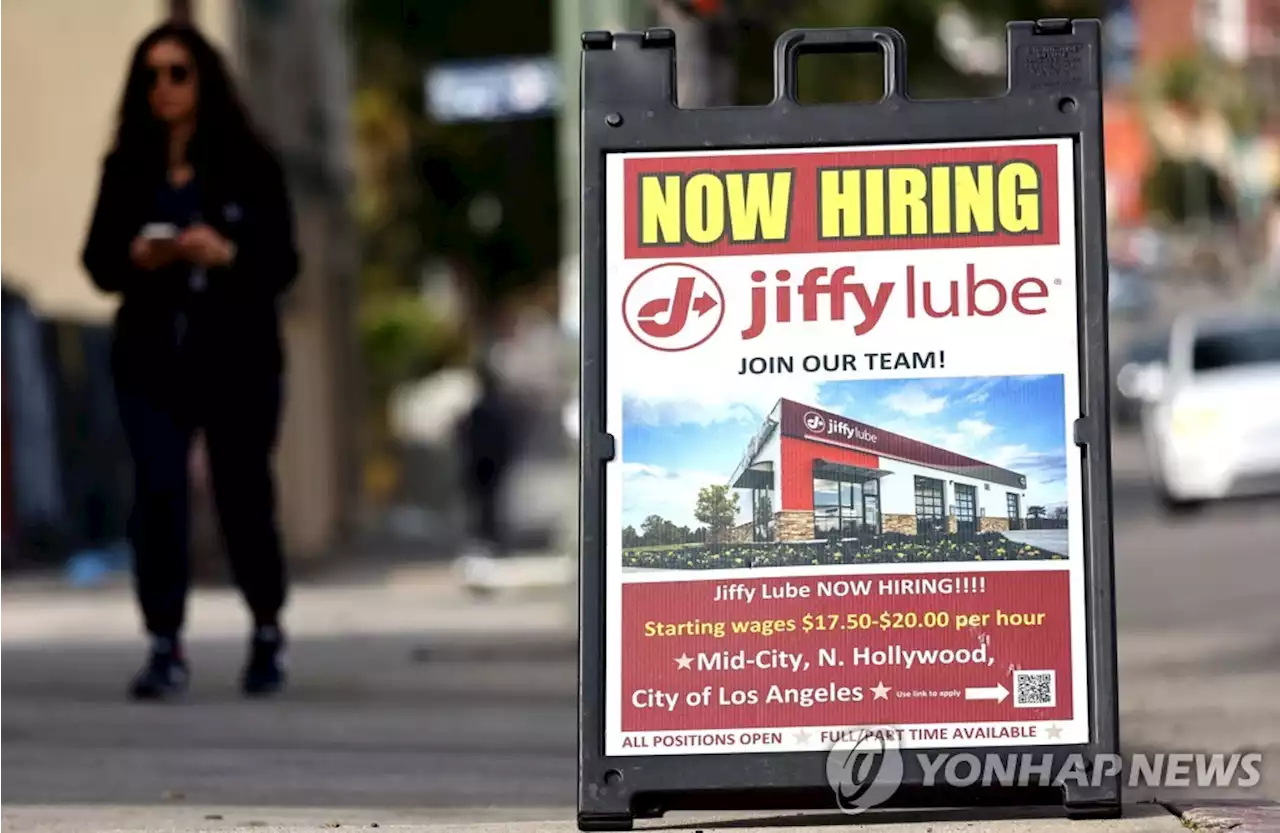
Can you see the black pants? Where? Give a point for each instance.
(488, 441)
(240, 429)
(486, 482)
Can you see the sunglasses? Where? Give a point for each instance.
(176, 74)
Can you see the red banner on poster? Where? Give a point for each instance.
(846, 649)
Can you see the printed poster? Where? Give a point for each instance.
(842, 383)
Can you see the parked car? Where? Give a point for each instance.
(1210, 428)
(1144, 351)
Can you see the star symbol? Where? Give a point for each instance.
(802, 736)
(1054, 732)
(684, 661)
(881, 691)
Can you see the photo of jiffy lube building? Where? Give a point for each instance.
(814, 474)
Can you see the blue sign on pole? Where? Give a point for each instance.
(1119, 42)
(497, 90)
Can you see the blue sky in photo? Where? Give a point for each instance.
(1016, 422)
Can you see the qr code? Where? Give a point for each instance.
(1034, 689)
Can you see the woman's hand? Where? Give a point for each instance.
(147, 253)
(202, 245)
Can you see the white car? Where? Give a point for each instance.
(1211, 423)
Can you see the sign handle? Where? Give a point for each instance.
(796, 42)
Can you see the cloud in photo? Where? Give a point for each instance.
(671, 493)
(655, 400)
(914, 400)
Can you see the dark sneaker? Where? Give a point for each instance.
(265, 672)
(165, 674)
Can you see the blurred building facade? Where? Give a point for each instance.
(64, 64)
(294, 57)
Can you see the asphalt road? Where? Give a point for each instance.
(1199, 623)
(382, 718)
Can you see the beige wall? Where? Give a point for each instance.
(63, 66)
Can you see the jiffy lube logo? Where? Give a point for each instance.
(865, 769)
(673, 307)
(676, 307)
(816, 423)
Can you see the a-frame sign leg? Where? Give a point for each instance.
(1099, 799)
(605, 821)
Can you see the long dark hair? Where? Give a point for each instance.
(223, 127)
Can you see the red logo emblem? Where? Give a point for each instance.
(673, 307)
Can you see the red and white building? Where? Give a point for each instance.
(813, 474)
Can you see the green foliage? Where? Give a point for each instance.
(416, 179)
(1245, 114)
(718, 508)
(403, 339)
(1204, 83)
(1182, 82)
(1185, 191)
(888, 548)
(656, 532)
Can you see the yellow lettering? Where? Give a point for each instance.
(1019, 198)
(659, 209)
(874, 180)
(907, 211)
(975, 199)
(841, 210)
(704, 208)
(759, 202)
(917, 201)
(940, 199)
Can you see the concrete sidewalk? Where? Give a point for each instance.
(407, 600)
(1139, 818)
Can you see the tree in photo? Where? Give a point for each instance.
(657, 531)
(651, 530)
(718, 508)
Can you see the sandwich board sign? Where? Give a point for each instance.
(845, 442)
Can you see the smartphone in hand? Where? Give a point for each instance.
(155, 245)
(159, 231)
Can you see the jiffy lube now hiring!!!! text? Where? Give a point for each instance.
(846, 202)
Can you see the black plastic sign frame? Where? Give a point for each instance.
(1053, 106)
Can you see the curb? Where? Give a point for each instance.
(1241, 816)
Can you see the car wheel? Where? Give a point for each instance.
(479, 593)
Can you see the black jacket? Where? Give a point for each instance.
(247, 202)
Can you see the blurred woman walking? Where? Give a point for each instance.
(194, 231)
